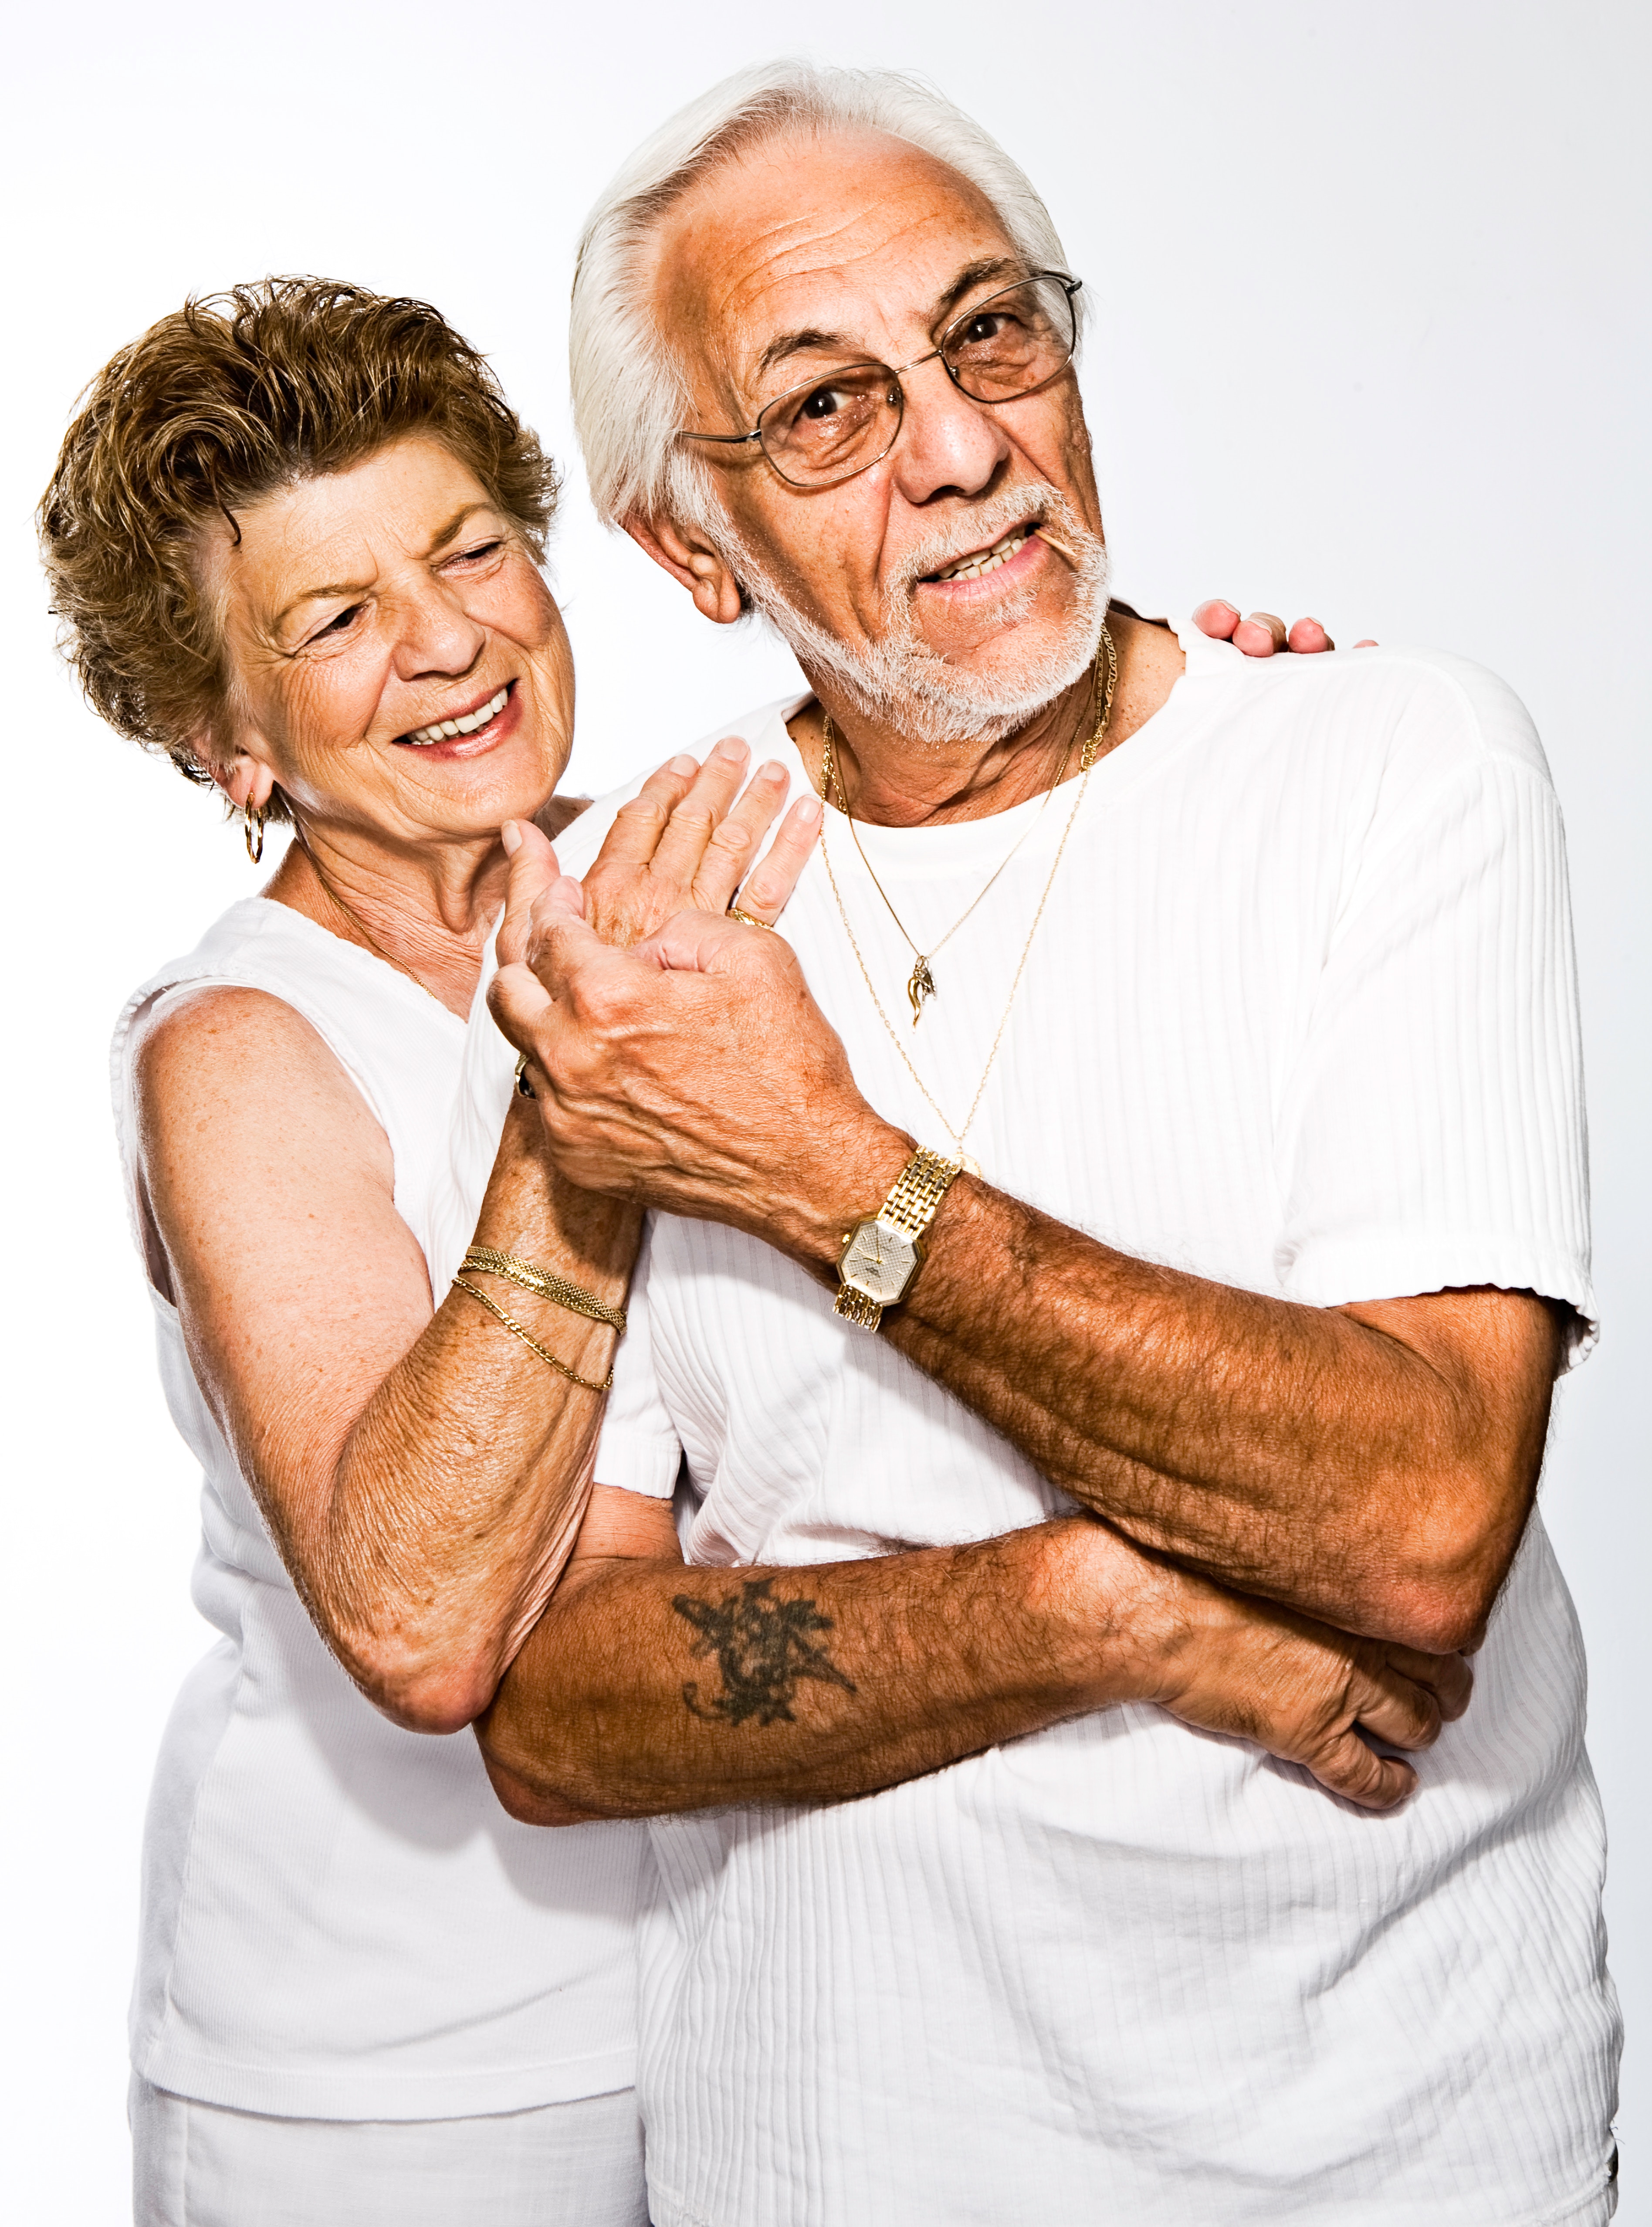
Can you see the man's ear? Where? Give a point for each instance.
(693, 563)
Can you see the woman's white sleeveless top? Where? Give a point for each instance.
(339, 1921)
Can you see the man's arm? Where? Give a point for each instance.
(647, 1688)
(1372, 1465)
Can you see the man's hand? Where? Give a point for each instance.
(1306, 1694)
(646, 1063)
(1261, 634)
(685, 840)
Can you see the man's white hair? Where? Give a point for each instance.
(629, 392)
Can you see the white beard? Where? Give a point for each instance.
(899, 680)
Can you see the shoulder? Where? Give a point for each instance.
(242, 1066)
(1438, 712)
(763, 728)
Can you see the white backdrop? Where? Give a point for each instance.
(1371, 341)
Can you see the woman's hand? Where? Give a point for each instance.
(1262, 635)
(682, 844)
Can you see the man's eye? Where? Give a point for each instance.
(825, 402)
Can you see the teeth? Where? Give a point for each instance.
(439, 730)
(977, 568)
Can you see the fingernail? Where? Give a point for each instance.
(511, 836)
(682, 763)
(1223, 604)
(806, 811)
(730, 747)
(772, 770)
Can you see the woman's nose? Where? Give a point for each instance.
(435, 634)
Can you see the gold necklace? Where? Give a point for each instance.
(1086, 763)
(921, 983)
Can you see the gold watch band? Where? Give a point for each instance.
(910, 1208)
(856, 1307)
(919, 1189)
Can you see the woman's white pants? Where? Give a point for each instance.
(565, 2165)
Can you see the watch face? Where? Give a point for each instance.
(878, 1260)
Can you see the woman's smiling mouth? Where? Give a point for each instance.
(465, 732)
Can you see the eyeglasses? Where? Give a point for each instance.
(847, 420)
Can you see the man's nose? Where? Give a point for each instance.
(948, 445)
(435, 633)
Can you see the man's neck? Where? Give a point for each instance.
(892, 781)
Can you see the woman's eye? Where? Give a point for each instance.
(340, 625)
(482, 548)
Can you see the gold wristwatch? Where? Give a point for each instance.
(881, 1255)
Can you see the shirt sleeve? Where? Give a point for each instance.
(639, 1450)
(1432, 1133)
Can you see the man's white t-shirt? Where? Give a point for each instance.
(1300, 1016)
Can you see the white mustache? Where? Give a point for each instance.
(1030, 505)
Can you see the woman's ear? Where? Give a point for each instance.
(245, 781)
(693, 562)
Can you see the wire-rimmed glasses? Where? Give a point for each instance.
(847, 419)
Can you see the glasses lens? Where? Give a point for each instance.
(1012, 342)
(826, 431)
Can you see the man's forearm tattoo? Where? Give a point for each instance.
(763, 1647)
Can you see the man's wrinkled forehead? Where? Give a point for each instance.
(836, 244)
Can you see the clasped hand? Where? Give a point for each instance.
(678, 1056)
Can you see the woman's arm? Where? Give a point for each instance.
(422, 1470)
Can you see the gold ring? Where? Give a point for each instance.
(522, 1084)
(735, 913)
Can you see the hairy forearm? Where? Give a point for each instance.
(459, 1489)
(647, 1688)
(1297, 1452)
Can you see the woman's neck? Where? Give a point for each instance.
(428, 914)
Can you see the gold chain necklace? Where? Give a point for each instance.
(1086, 763)
(921, 983)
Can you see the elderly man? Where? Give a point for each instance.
(1162, 1108)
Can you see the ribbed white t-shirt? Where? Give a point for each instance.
(339, 1921)
(1301, 1018)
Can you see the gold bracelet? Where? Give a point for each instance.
(586, 1383)
(528, 1276)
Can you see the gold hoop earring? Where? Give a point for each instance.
(252, 830)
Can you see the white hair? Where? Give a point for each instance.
(629, 391)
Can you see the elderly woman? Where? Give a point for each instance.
(295, 538)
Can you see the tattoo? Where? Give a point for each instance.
(763, 1647)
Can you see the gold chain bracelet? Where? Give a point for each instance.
(528, 1276)
(586, 1383)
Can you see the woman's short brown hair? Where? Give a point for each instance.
(231, 398)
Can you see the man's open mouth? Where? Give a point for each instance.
(444, 730)
(982, 561)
